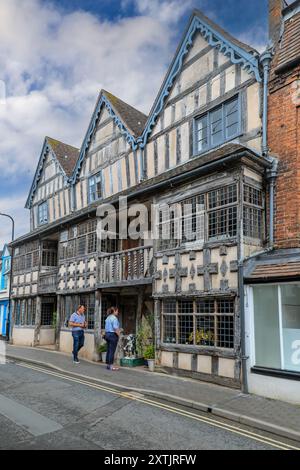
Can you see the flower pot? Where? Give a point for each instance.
(151, 364)
(103, 356)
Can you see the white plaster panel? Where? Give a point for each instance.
(185, 361)
(230, 78)
(23, 336)
(166, 359)
(226, 368)
(204, 364)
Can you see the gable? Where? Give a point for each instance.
(125, 120)
(106, 144)
(203, 48)
(50, 174)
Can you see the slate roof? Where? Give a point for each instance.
(65, 154)
(133, 119)
(288, 52)
(279, 264)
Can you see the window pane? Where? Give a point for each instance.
(169, 327)
(201, 133)
(186, 329)
(205, 331)
(231, 118)
(290, 296)
(225, 332)
(266, 325)
(216, 127)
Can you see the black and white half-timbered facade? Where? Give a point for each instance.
(203, 144)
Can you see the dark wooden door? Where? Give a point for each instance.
(128, 309)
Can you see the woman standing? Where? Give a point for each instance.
(112, 334)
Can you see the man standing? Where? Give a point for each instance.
(78, 324)
(112, 333)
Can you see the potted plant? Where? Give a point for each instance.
(149, 355)
(102, 349)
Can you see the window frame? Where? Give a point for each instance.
(214, 315)
(41, 206)
(254, 367)
(93, 178)
(207, 115)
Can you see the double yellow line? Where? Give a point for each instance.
(171, 409)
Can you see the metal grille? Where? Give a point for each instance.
(47, 311)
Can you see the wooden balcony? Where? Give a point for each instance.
(47, 283)
(131, 267)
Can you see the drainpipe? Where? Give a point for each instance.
(272, 174)
(244, 357)
(265, 60)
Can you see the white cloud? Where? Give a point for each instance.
(54, 63)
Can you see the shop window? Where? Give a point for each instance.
(277, 318)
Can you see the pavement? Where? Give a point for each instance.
(276, 417)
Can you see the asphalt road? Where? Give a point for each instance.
(43, 409)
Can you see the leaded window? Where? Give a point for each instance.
(79, 240)
(201, 323)
(204, 217)
(253, 212)
(25, 312)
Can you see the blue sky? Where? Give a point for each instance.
(56, 55)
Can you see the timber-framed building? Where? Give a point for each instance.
(204, 142)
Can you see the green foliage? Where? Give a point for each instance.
(54, 320)
(144, 336)
(102, 348)
(149, 352)
(202, 337)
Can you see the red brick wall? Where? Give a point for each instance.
(284, 142)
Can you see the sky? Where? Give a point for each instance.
(56, 55)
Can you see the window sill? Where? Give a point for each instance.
(280, 374)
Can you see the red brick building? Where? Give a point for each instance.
(273, 277)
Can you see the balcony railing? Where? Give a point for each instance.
(47, 282)
(131, 265)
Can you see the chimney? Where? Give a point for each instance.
(275, 18)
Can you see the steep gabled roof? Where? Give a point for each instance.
(66, 156)
(129, 120)
(135, 120)
(235, 50)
